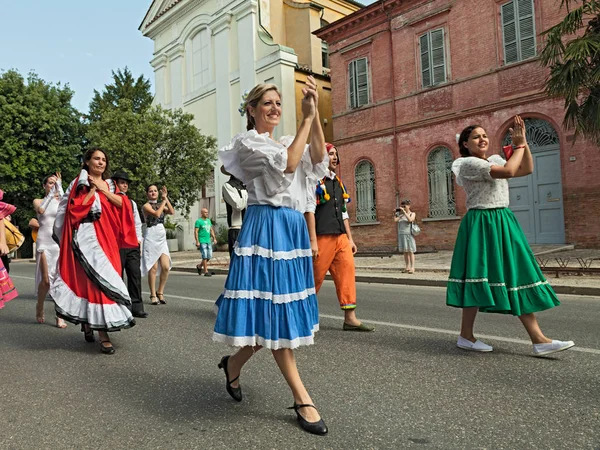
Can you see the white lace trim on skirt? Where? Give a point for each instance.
(268, 253)
(275, 298)
(485, 280)
(244, 341)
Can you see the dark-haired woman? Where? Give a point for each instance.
(156, 258)
(493, 268)
(269, 298)
(47, 250)
(92, 223)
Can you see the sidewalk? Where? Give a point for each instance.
(432, 269)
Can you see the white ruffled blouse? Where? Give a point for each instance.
(260, 162)
(483, 191)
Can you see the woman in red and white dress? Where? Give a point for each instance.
(93, 223)
(8, 291)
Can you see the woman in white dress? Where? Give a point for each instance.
(47, 249)
(156, 259)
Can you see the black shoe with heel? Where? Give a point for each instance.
(88, 333)
(236, 393)
(107, 350)
(318, 427)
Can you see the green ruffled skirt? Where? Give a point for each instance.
(493, 267)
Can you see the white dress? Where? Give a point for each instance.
(46, 245)
(155, 243)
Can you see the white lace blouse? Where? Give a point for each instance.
(483, 191)
(260, 162)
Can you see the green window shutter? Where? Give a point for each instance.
(425, 66)
(362, 81)
(438, 62)
(509, 33)
(351, 83)
(526, 29)
(518, 30)
(358, 79)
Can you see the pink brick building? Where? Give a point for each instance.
(407, 76)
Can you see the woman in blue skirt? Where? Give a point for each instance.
(269, 298)
(493, 268)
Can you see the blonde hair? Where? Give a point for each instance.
(254, 97)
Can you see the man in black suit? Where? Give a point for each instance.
(130, 257)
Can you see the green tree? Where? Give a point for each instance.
(156, 146)
(572, 52)
(123, 87)
(40, 133)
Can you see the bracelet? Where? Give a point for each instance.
(518, 147)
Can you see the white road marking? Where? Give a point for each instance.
(392, 324)
(415, 327)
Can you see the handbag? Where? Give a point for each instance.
(414, 229)
(14, 238)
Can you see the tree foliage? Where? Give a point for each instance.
(124, 87)
(40, 133)
(152, 144)
(156, 146)
(572, 52)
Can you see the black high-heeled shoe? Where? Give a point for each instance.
(318, 427)
(88, 333)
(236, 393)
(107, 350)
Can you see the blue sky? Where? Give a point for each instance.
(77, 42)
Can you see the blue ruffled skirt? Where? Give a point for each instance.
(269, 296)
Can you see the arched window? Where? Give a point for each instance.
(364, 176)
(539, 134)
(200, 59)
(441, 187)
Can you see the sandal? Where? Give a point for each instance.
(108, 350)
(152, 302)
(161, 298)
(88, 333)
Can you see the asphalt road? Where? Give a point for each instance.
(404, 386)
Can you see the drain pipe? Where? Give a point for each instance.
(393, 103)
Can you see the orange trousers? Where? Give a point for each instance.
(335, 255)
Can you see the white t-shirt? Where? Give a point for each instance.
(260, 162)
(483, 191)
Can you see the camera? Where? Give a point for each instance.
(398, 211)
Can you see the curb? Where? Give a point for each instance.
(570, 290)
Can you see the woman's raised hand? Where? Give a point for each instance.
(163, 192)
(517, 133)
(311, 98)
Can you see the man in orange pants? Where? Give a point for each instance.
(331, 240)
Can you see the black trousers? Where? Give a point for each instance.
(232, 236)
(130, 263)
(6, 262)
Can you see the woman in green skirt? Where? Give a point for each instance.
(493, 268)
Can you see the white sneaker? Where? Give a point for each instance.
(476, 346)
(553, 347)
